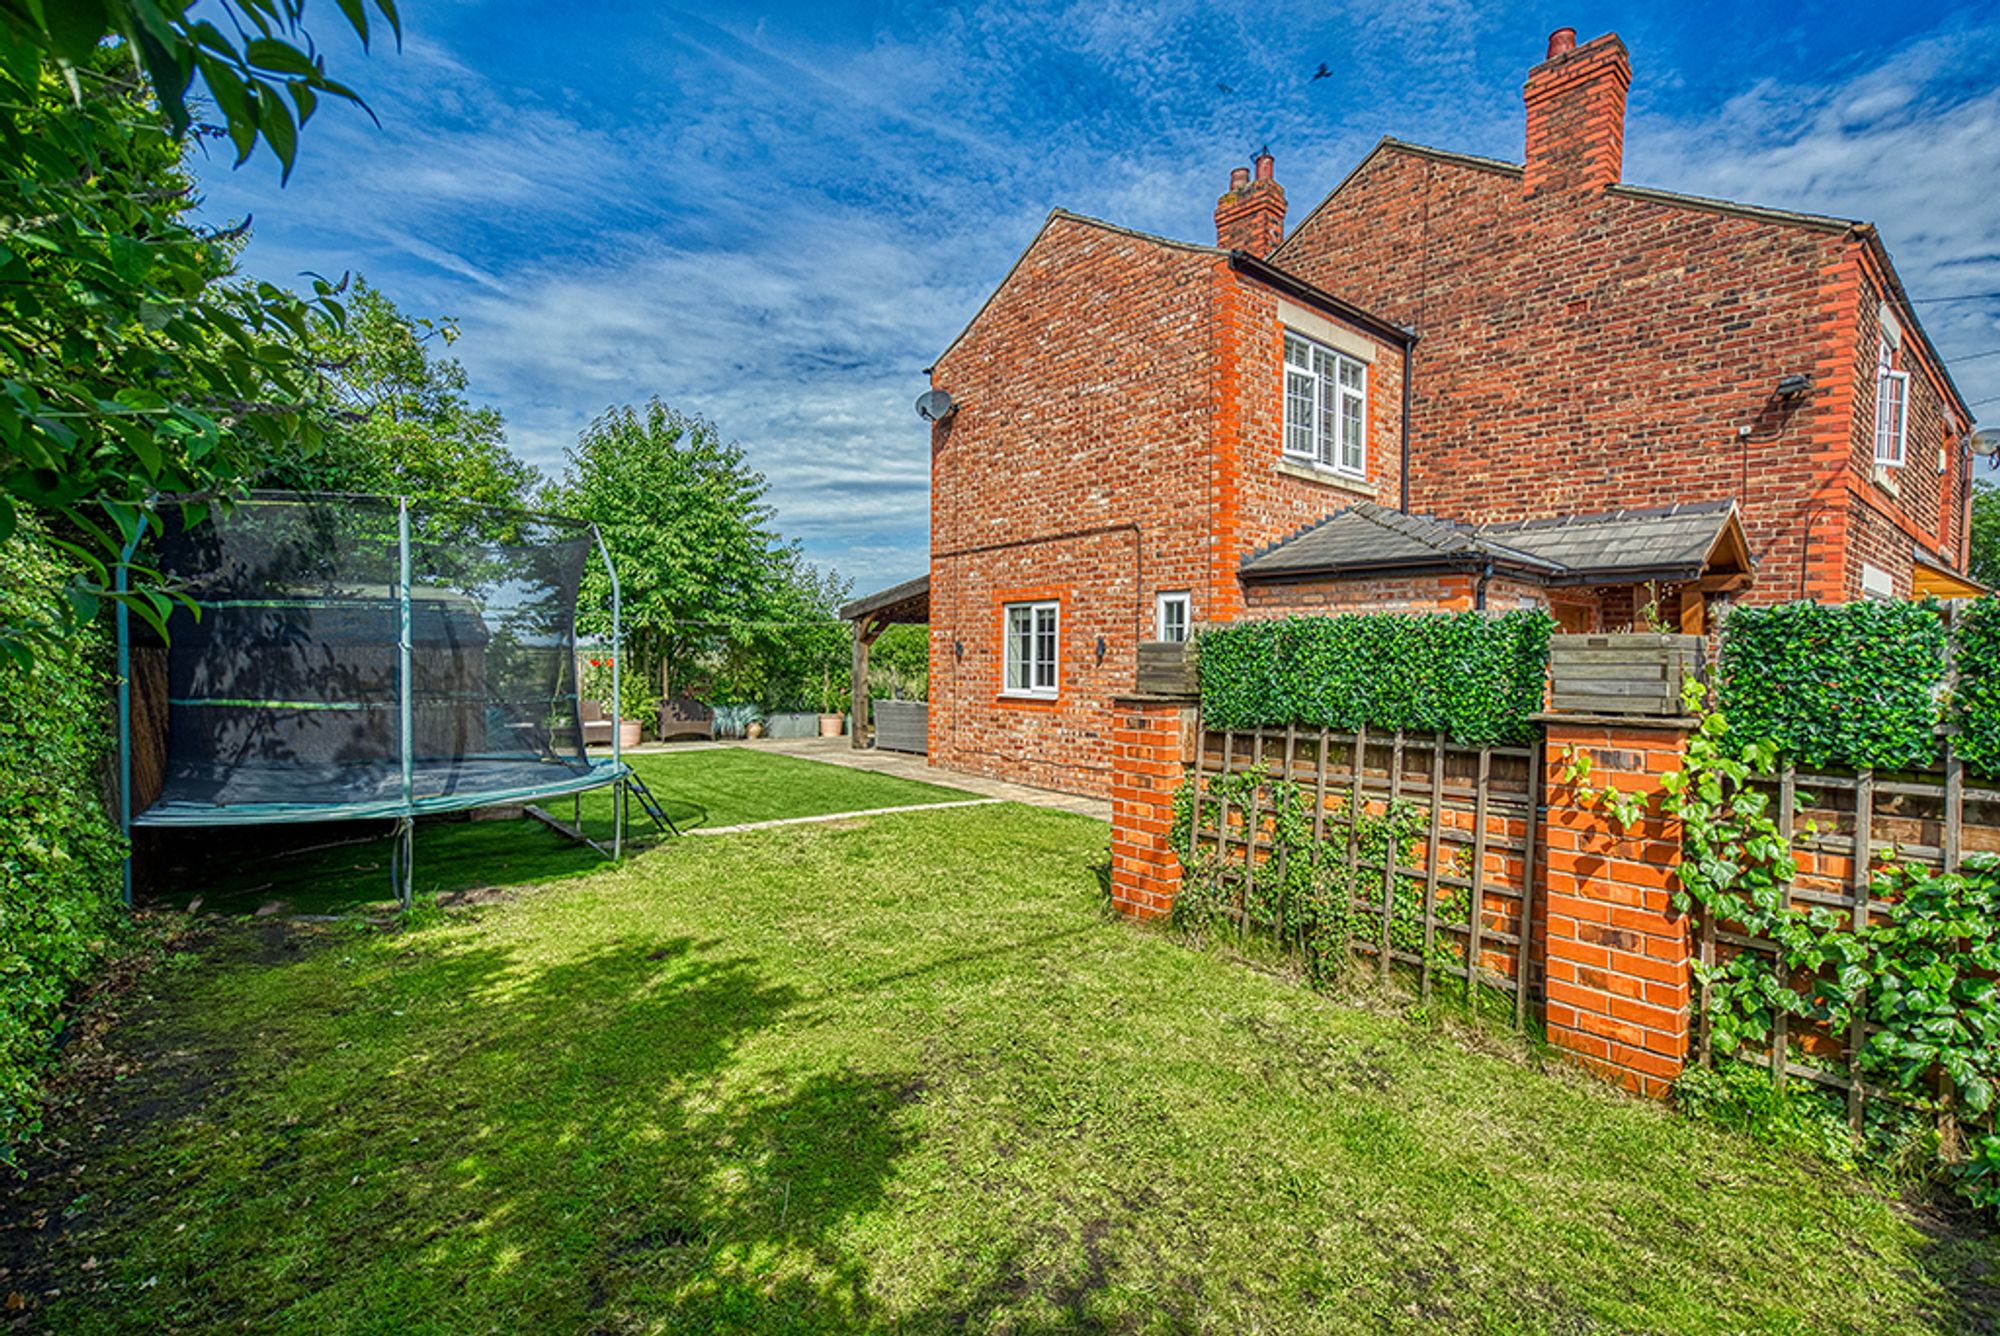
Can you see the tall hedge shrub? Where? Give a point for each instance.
(1976, 698)
(1475, 677)
(60, 850)
(1856, 684)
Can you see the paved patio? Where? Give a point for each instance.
(837, 751)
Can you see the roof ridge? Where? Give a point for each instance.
(1609, 516)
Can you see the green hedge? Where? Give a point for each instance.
(1473, 676)
(59, 849)
(1856, 684)
(1976, 702)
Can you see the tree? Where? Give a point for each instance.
(399, 422)
(1984, 565)
(684, 517)
(133, 360)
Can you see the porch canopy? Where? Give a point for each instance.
(1700, 549)
(906, 603)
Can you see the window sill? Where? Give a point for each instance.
(1326, 477)
(1882, 478)
(1030, 697)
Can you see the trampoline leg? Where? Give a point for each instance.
(618, 801)
(402, 859)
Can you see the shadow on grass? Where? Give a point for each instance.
(570, 1145)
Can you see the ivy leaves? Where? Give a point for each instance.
(1474, 677)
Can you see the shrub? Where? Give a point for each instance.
(1853, 684)
(1476, 677)
(60, 849)
(1976, 698)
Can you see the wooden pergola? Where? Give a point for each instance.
(908, 603)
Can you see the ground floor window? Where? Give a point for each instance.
(1031, 649)
(1171, 616)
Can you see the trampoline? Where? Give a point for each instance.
(364, 658)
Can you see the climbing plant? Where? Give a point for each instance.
(1477, 678)
(1308, 894)
(1919, 975)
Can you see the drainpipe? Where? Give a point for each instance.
(1479, 590)
(1409, 373)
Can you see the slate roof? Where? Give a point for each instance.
(1675, 543)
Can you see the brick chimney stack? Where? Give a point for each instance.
(1576, 114)
(1251, 217)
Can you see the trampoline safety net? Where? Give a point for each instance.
(289, 694)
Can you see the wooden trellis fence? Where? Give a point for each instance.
(1857, 818)
(1474, 845)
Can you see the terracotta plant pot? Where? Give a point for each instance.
(830, 725)
(755, 729)
(628, 733)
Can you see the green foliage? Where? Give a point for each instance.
(132, 360)
(899, 663)
(1853, 684)
(637, 697)
(1742, 1096)
(1920, 973)
(1975, 704)
(59, 848)
(1475, 677)
(703, 573)
(399, 423)
(1307, 894)
(1984, 538)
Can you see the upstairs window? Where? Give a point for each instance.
(1892, 398)
(1031, 649)
(1171, 617)
(1326, 407)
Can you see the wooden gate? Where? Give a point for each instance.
(1407, 849)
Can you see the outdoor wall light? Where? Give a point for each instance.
(958, 649)
(1792, 386)
(1100, 649)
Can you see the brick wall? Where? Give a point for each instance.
(1118, 435)
(1586, 349)
(1154, 740)
(1618, 994)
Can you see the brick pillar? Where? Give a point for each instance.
(1619, 985)
(1151, 746)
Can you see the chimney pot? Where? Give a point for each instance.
(1251, 217)
(1561, 42)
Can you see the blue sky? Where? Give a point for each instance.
(777, 217)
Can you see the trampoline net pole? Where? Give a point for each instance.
(124, 619)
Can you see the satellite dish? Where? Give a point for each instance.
(1985, 443)
(935, 406)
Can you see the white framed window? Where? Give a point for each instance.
(1172, 616)
(1031, 649)
(1892, 399)
(1326, 406)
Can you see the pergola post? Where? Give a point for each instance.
(865, 631)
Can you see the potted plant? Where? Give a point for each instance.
(636, 702)
(830, 717)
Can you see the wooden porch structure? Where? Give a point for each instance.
(906, 603)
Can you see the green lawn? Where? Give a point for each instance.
(900, 1073)
(346, 864)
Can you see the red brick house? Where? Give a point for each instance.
(1456, 383)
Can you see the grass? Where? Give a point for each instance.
(345, 865)
(899, 1073)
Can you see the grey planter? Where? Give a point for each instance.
(903, 725)
(793, 724)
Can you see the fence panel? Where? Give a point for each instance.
(1419, 852)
